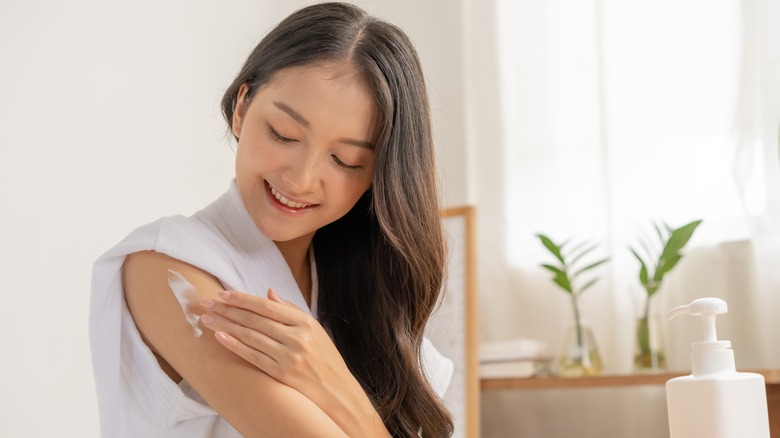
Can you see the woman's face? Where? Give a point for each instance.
(305, 150)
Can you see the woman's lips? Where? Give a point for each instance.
(281, 201)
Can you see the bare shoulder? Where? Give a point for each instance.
(145, 277)
(149, 268)
(158, 314)
(253, 402)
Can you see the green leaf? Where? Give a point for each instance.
(577, 252)
(648, 251)
(578, 247)
(671, 253)
(588, 285)
(642, 270)
(577, 257)
(562, 280)
(679, 238)
(589, 267)
(661, 236)
(552, 247)
(665, 265)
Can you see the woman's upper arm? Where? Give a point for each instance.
(254, 403)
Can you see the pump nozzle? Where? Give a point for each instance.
(707, 308)
(710, 355)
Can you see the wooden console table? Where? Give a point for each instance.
(772, 378)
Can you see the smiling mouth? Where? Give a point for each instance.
(288, 203)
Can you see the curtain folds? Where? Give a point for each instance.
(615, 114)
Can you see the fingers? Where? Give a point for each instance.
(237, 321)
(272, 295)
(259, 329)
(251, 345)
(262, 361)
(280, 311)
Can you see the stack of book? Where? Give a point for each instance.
(509, 358)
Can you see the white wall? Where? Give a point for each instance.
(109, 119)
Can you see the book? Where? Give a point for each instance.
(519, 357)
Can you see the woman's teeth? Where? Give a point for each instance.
(286, 201)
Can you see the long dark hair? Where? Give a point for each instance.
(380, 267)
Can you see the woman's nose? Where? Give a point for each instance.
(302, 174)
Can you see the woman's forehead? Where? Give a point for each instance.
(324, 95)
(339, 72)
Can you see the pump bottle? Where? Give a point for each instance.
(715, 401)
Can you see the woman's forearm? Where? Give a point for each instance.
(293, 348)
(353, 412)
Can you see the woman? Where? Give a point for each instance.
(333, 212)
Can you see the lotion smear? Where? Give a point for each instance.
(185, 293)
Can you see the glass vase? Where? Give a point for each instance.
(580, 356)
(649, 353)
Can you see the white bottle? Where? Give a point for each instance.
(715, 401)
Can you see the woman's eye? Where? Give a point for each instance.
(276, 136)
(343, 164)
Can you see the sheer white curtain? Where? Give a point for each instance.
(614, 114)
(756, 165)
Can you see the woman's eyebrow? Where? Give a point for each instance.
(302, 120)
(360, 143)
(292, 113)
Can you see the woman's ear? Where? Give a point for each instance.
(239, 113)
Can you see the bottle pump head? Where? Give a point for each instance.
(711, 355)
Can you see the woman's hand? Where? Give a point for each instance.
(292, 347)
(278, 338)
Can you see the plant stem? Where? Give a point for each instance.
(649, 356)
(577, 325)
(643, 330)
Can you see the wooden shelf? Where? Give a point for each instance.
(489, 384)
(772, 378)
(577, 382)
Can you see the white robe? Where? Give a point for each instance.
(135, 396)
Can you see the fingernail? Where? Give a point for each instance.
(221, 336)
(207, 319)
(224, 294)
(207, 303)
(272, 294)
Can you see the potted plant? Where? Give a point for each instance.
(649, 352)
(580, 357)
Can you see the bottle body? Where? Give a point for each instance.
(719, 405)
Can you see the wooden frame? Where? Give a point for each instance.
(453, 326)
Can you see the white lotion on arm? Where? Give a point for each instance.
(186, 294)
